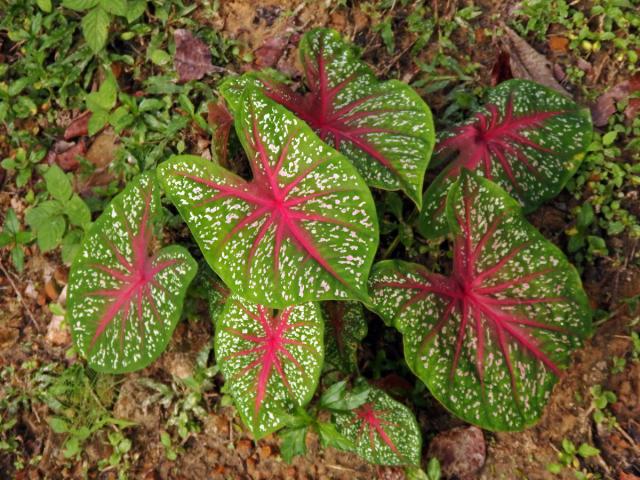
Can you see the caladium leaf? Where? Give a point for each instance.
(384, 128)
(125, 294)
(488, 340)
(303, 229)
(527, 138)
(345, 328)
(271, 360)
(384, 431)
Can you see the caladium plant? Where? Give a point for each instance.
(125, 294)
(527, 138)
(382, 430)
(384, 128)
(345, 327)
(490, 339)
(271, 360)
(304, 228)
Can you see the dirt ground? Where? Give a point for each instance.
(223, 449)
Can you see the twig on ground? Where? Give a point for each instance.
(20, 297)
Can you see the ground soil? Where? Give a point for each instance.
(223, 449)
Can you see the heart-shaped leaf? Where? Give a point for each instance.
(384, 431)
(384, 128)
(271, 361)
(346, 326)
(125, 294)
(527, 138)
(489, 339)
(303, 229)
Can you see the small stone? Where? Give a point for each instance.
(58, 332)
(244, 447)
(265, 452)
(461, 452)
(51, 290)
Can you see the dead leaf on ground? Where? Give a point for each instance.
(501, 69)
(268, 54)
(527, 63)
(558, 43)
(221, 120)
(192, 59)
(103, 149)
(78, 126)
(605, 105)
(66, 154)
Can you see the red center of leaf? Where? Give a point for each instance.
(481, 306)
(134, 279)
(373, 421)
(275, 205)
(271, 349)
(318, 109)
(494, 137)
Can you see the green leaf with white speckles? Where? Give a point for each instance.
(384, 128)
(303, 229)
(125, 294)
(384, 431)
(527, 138)
(488, 340)
(346, 326)
(271, 360)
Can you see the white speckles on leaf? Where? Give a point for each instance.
(383, 431)
(124, 298)
(527, 138)
(303, 229)
(489, 339)
(271, 360)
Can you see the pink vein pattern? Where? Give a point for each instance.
(134, 277)
(277, 206)
(493, 139)
(374, 422)
(269, 351)
(479, 305)
(318, 108)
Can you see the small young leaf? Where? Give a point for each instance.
(339, 398)
(303, 229)
(271, 362)
(330, 437)
(488, 340)
(345, 329)
(95, 28)
(383, 431)
(115, 7)
(78, 212)
(125, 295)
(293, 443)
(79, 5)
(44, 5)
(58, 184)
(50, 233)
(527, 138)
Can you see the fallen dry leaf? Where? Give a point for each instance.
(527, 63)
(103, 149)
(221, 120)
(605, 105)
(65, 154)
(78, 126)
(268, 54)
(192, 59)
(501, 69)
(558, 43)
